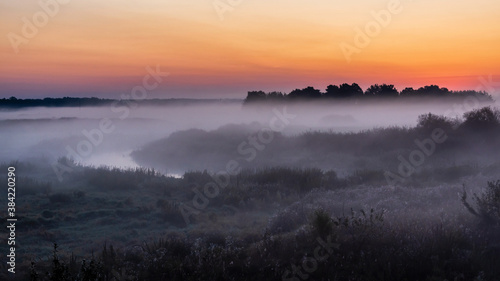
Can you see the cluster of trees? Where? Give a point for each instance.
(354, 91)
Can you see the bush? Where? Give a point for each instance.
(429, 122)
(169, 212)
(485, 118)
(487, 205)
(322, 223)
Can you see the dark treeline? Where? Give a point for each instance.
(354, 91)
(333, 92)
(14, 102)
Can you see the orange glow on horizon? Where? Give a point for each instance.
(102, 44)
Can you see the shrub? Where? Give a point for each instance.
(487, 204)
(91, 271)
(322, 223)
(429, 122)
(169, 211)
(482, 119)
(59, 269)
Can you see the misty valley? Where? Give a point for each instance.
(261, 189)
(232, 140)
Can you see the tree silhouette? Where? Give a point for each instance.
(344, 91)
(408, 92)
(306, 93)
(332, 91)
(275, 96)
(255, 96)
(433, 90)
(383, 90)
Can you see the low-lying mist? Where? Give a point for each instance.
(57, 132)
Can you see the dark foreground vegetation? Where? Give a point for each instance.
(292, 223)
(353, 91)
(357, 246)
(317, 244)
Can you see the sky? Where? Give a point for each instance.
(224, 48)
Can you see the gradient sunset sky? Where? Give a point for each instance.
(101, 48)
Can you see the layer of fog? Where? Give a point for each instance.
(48, 132)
